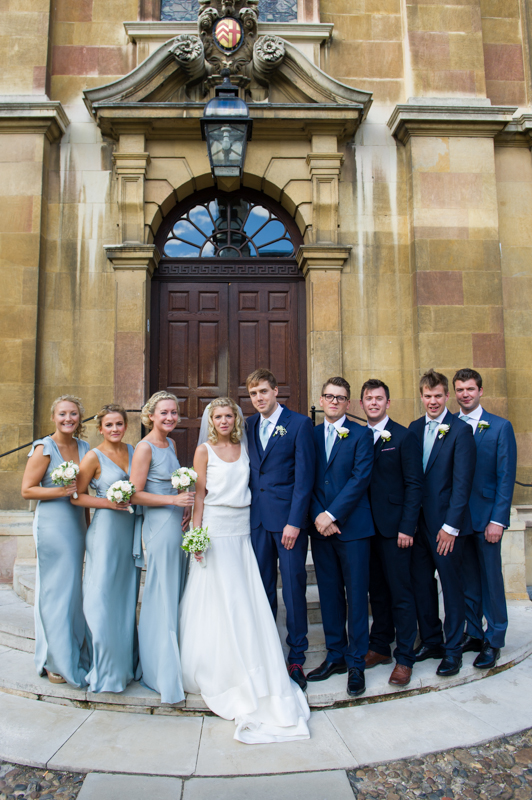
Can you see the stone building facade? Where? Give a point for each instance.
(392, 140)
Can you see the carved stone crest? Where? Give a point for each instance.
(228, 31)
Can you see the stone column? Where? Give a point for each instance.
(131, 163)
(513, 554)
(133, 266)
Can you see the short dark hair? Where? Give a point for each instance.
(468, 374)
(341, 382)
(259, 375)
(374, 383)
(431, 379)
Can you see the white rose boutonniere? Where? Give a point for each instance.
(443, 430)
(343, 433)
(386, 436)
(279, 431)
(483, 425)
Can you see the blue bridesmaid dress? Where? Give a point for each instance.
(110, 588)
(166, 573)
(59, 531)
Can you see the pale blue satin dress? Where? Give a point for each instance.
(59, 530)
(110, 588)
(166, 573)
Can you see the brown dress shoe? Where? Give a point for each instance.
(401, 675)
(372, 659)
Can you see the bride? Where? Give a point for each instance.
(230, 649)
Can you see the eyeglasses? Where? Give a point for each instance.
(340, 398)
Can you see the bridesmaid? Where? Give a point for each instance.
(110, 583)
(153, 463)
(59, 530)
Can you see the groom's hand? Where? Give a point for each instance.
(290, 535)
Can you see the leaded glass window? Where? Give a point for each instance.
(223, 228)
(269, 10)
(183, 10)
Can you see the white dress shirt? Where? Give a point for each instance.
(338, 424)
(473, 418)
(378, 428)
(439, 420)
(273, 419)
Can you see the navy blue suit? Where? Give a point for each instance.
(491, 499)
(281, 480)
(447, 484)
(395, 494)
(342, 560)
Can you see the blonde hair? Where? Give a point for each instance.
(111, 408)
(151, 405)
(236, 433)
(70, 398)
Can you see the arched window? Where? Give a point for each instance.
(270, 10)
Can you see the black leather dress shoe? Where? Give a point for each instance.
(326, 669)
(449, 666)
(296, 673)
(488, 656)
(425, 651)
(356, 682)
(471, 644)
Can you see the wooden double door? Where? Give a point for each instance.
(210, 335)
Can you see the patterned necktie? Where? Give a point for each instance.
(329, 441)
(429, 442)
(264, 433)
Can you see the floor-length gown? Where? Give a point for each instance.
(110, 587)
(59, 531)
(166, 573)
(230, 648)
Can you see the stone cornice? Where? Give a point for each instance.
(133, 256)
(131, 163)
(517, 134)
(20, 114)
(319, 32)
(434, 118)
(322, 256)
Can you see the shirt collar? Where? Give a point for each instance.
(438, 419)
(476, 414)
(274, 418)
(380, 426)
(338, 424)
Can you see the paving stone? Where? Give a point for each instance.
(332, 785)
(31, 731)
(220, 754)
(130, 787)
(132, 743)
(17, 671)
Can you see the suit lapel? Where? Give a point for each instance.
(380, 441)
(320, 434)
(337, 443)
(272, 441)
(479, 433)
(439, 440)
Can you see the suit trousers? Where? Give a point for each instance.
(391, 595)
(342, 572)
(425, 562)
(484, 589)
(292, 565)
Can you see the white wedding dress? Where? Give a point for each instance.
(230, 650)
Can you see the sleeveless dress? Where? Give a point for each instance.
(59, 531)
(230, 648)
(166, 573)
(110, 588)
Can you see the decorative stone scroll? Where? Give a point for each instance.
(268, 54)
(189, 54)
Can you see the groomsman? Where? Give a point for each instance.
(490, 502)
(449, 456)
(395, 495)
(281, 455)
(341, 538)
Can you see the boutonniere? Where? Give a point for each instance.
(342, 433)
(386, 436)
(279, 431)
(443, 430)
(483, 425)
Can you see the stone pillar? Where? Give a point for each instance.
(513, 558)
(322, 267)
(131, 163)
(325, 165)
(133, 266)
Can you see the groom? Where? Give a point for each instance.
(281, 454)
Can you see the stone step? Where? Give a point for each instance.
(17, 628)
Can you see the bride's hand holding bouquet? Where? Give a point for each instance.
(197, 541)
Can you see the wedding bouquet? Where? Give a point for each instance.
(184, 478)
(121, 492)
(64, 474)
(197, 541)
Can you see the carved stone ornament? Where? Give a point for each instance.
(188, 52)
(228, 31)
(268, 54)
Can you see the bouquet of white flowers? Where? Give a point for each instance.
(121, 492)
(64, 474)
(197, 541)
(184, 478)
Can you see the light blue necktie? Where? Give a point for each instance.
(429, 442)
(264, 433)
(469, 420)
(329, 441)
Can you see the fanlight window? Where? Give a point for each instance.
(269, 10)
(229, 229)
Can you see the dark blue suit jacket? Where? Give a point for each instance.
(282, 477)
(493, 484)
(396, 487)
(448, 478)
(341, 484)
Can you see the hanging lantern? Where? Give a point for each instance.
(226, 127)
